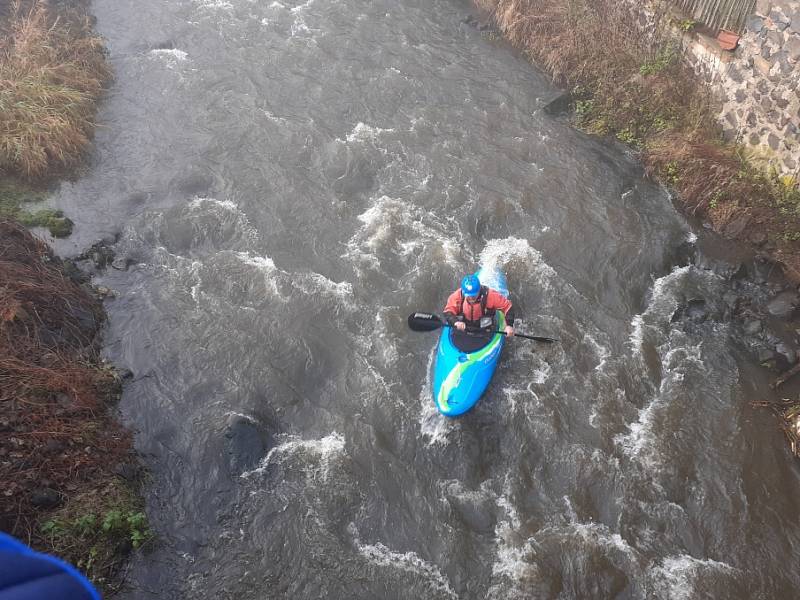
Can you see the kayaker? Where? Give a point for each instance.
(467, 305)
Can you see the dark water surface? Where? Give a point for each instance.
(290, 180)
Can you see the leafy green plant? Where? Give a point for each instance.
(584, 107)
(85, 524)
(687, 25)
(627, 136)
(52, 527)
(130, 525)
(671, 173)
(665, 57)
(716, 198)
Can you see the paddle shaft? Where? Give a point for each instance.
(536, 338)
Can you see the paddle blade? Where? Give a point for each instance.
(420, 321)
(538, 338)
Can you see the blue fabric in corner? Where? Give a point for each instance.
(29, 575)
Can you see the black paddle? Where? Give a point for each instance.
(420, 321)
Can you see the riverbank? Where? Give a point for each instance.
(638, 90)
(69, 476)
(54, 71)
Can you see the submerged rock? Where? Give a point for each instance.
(696, 310)
(752, 327)
(787, 352)
(783, 305)
(121, 264)
(765, 355)
(246, 443)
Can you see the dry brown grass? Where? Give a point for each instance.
(53, 70)
(575, 40)
(57, 430)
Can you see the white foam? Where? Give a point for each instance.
(263, 263)
(363, 133)
(216, 5)
(302, 7)
(433, 425)
(636, 337)
(272, 117)
(171, 56)
(641, 441)
(675, 577)
(663, 304)
(249, 418)
(397, 229)
(506, 252)
(510, 565)
(310, 284)
(410, 562)
(324, 450)
(299, 26)
(541, 373)
(600, 536)
(342, 289)
(499, 252)
(571, 514)
(601, 351)
(455, 488)
(198, 202)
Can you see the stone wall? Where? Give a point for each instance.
(759, 82)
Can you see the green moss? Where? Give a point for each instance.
(13, 198)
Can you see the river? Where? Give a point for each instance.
(288, 181)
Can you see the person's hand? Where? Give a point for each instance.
(509, 331)
(460, 325)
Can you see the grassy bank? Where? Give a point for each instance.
(53, 70)
(68, 475)
(638, 90)
(67, 471)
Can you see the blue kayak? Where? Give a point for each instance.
(465, 363)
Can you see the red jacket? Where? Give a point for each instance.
(458, 305)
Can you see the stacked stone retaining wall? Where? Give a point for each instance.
(758, 82)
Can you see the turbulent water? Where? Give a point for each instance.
(289, 180)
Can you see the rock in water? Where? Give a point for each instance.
(783, 305)
(246, 443)
(696, 310)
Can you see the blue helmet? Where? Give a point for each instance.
(470, 285)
